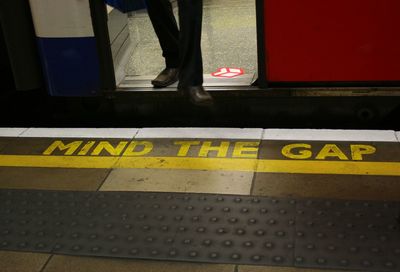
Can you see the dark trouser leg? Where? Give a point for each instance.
(166, 28)
(191, 64)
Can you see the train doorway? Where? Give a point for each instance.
(98, 51)
(229, 46)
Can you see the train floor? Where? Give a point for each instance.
(199, 199)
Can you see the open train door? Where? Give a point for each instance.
(329, 43)
(74, 46)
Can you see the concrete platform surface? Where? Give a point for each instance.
(334, 164)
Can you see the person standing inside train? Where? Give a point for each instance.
(181, 48)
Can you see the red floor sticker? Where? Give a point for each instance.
(228, 72)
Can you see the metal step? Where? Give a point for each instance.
(144, 82)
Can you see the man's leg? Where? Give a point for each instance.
(191, 63)
(166, 28)
(190, 22)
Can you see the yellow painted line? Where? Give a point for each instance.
(211, 164)
(329, 167)
(57, 161)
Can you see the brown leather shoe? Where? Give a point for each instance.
(167, 77)
(197, 95)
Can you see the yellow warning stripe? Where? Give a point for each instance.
(212, 164)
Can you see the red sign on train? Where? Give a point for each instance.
(228, 72)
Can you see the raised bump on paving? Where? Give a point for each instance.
(309, 233)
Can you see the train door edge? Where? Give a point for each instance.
(261, 45)
(100, 27)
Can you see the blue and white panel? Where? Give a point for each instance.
(67, 46)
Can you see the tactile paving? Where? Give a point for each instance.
(204, 228)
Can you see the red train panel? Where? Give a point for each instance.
(332, 40)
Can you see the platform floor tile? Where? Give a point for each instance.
(248, 268)
(52, 178)
(88, 179)
(327, 186)
(59, 263)
(5, 141)
(194, 181)
(22, 261)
